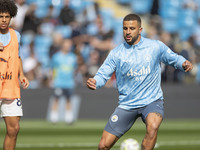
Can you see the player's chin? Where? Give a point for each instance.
(130, 42)
(3, 27)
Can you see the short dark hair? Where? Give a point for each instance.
(130, 17)
(8, 6)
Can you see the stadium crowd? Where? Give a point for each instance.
(94, 31)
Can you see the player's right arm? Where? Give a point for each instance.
(106, 70)
(91, 83)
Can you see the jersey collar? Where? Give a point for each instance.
(136, 45)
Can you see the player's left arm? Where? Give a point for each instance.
(187, 66)
(24, 81)
(173, 59)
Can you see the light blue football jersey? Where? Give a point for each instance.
(138, 71)
(5, 39)
(64, 67)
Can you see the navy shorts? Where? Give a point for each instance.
(122, 120)
(58, 92)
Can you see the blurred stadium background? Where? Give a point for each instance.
(95, 27)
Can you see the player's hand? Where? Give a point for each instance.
(1, 46)
(24, 82)
(91, 84)
(187, 66)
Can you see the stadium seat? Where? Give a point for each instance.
(169, 8)
(141, 6)
(107, 17)
(65, 30)
(85, 52)
(57, 6)
(187, 18)
(91, 12)
(92, 29)
(47, 28)
(124, 2)
(185, 33)
(118, 31)
(170, 25)
(42, 8)
(170, 12)
(42, 45)
(77, 5)
(170, 3)
(43, 3)
(41, 12)
(26, 38)
(30, 1)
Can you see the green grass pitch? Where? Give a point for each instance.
(85, 135)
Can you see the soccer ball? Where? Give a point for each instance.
(130, 144)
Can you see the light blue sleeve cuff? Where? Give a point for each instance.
(181, 60)
(99, 81)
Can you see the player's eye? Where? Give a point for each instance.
(124, 28)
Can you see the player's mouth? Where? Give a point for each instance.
(128, 37)
(4, 25)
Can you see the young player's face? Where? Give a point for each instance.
(131, 31)
(4, 22)
(66, 46)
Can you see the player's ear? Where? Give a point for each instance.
(140, 30)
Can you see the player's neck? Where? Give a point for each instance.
(138, 40)
(4, 31)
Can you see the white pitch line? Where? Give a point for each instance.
(57, 145)
(164, 143)
(172, 143)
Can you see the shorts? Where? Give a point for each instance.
(58, 92)
(11, 108)
(122, 120)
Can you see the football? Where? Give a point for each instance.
(130, 144)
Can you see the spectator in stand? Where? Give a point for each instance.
(56, 45)
(67, 15)
(102, 41)
(64, 65)
(18, 21)
(31, 22)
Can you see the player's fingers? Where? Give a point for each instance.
(26, 85)
(189, 68)
(91, 85)
(90, 81)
